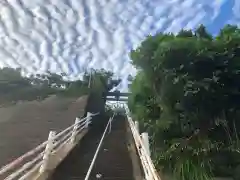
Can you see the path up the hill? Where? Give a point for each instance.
(113, 161)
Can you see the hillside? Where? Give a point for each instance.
(25, 125)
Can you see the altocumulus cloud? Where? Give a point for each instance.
(72, 35)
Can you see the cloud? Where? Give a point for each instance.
(71, 35)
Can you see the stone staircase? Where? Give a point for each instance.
(113, 161)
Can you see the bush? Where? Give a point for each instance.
(187, 96)
(14, 86)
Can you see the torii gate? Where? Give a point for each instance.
(117, 96)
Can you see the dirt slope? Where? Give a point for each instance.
(26, 124)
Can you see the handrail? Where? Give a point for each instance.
(11, 165)
(98, 148)
(14, 163)
(70, 127)
(24, 167)
(35, 168)
(146, 160)
(148, 166)
(22, 164)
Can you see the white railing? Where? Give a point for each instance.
(37, 163)
(142, 145)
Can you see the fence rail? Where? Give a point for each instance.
(38, 160)
(142, 145)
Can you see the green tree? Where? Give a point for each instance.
(201, 32)
(14, 86)
(186, 94)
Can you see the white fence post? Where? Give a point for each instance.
(136, 123)
(88, 119)
(48, 151)
(74, 132)
(145, 140)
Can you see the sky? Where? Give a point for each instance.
(70, 36)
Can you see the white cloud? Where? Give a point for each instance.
(69, 35)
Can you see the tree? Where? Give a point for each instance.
(187, 95)
(201, 32)
(185, 33)
(14, 86)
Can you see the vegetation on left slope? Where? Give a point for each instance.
(14, 86)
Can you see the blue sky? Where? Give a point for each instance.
(72, 35)
(225, 16)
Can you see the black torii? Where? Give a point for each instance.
(117, 96)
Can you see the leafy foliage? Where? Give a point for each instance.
(14, 86)
(187, 96)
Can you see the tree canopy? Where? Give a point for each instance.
(187, 96)
(14, 86)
